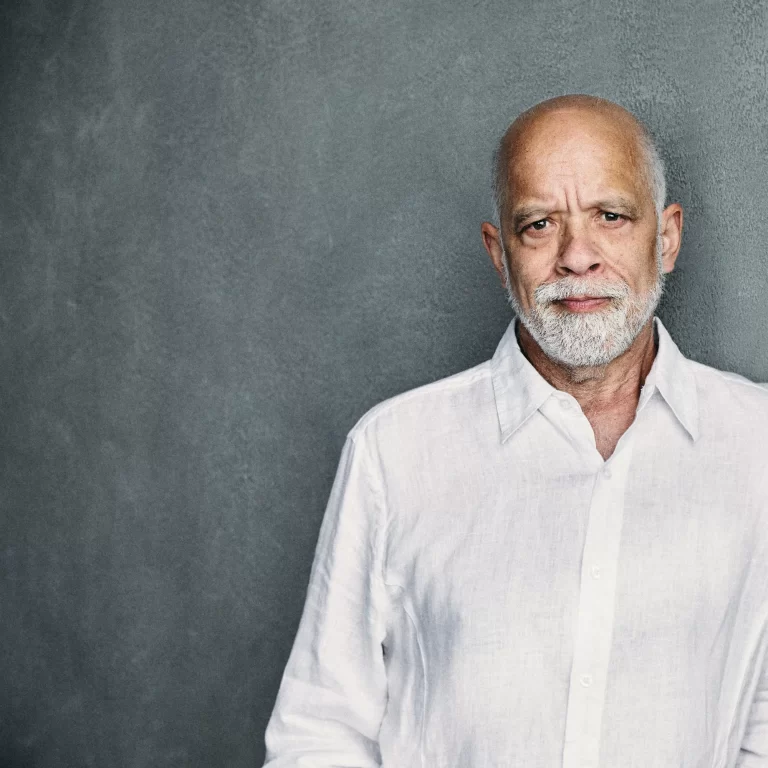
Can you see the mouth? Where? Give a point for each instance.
(584, 303)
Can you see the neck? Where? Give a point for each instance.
(600, 389)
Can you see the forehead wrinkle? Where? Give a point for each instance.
(545, 131)
(604, 182)
(534, 211)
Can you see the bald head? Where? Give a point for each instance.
(555, 119)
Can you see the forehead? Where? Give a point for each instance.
(566, 149)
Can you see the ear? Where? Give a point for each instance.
(492, 243)
(671, 235)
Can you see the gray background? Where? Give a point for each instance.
(228, 229)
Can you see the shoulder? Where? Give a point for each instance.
(449, 400)
(726, 390)
(731, 407)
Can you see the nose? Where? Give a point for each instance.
(577, 254)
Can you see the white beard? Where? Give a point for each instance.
(589, 339)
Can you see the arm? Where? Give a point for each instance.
(754, 745)
(334, 690)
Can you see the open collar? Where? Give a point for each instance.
(672, 377)
(520, 390)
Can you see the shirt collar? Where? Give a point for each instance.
(672, 376)
(520, 390)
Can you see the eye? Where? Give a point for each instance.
(611, 217)
(536, 226)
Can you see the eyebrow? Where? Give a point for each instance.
(620, 203)
(523, 214)
(536, 212)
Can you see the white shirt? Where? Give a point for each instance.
(487, 591)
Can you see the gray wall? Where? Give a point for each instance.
(228, 229)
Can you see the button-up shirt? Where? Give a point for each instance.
(488, 591)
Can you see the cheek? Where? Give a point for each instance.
(645, 269)
(634, 264)
(527, 275)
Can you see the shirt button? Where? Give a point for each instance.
(565, 404)
(607, 473)
(595, 571)
(586, 680)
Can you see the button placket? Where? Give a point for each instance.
(594, 625)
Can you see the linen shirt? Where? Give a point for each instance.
(488, 591)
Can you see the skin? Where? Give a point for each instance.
(579, 204)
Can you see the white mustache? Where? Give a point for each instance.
(570, 287)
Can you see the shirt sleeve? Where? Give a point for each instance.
(333, 692)
(754, 746)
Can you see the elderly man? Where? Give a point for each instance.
(559, 557)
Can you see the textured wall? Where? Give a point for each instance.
(229, 228)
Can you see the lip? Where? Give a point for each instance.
(584, 303)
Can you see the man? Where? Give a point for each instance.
(559, 557)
